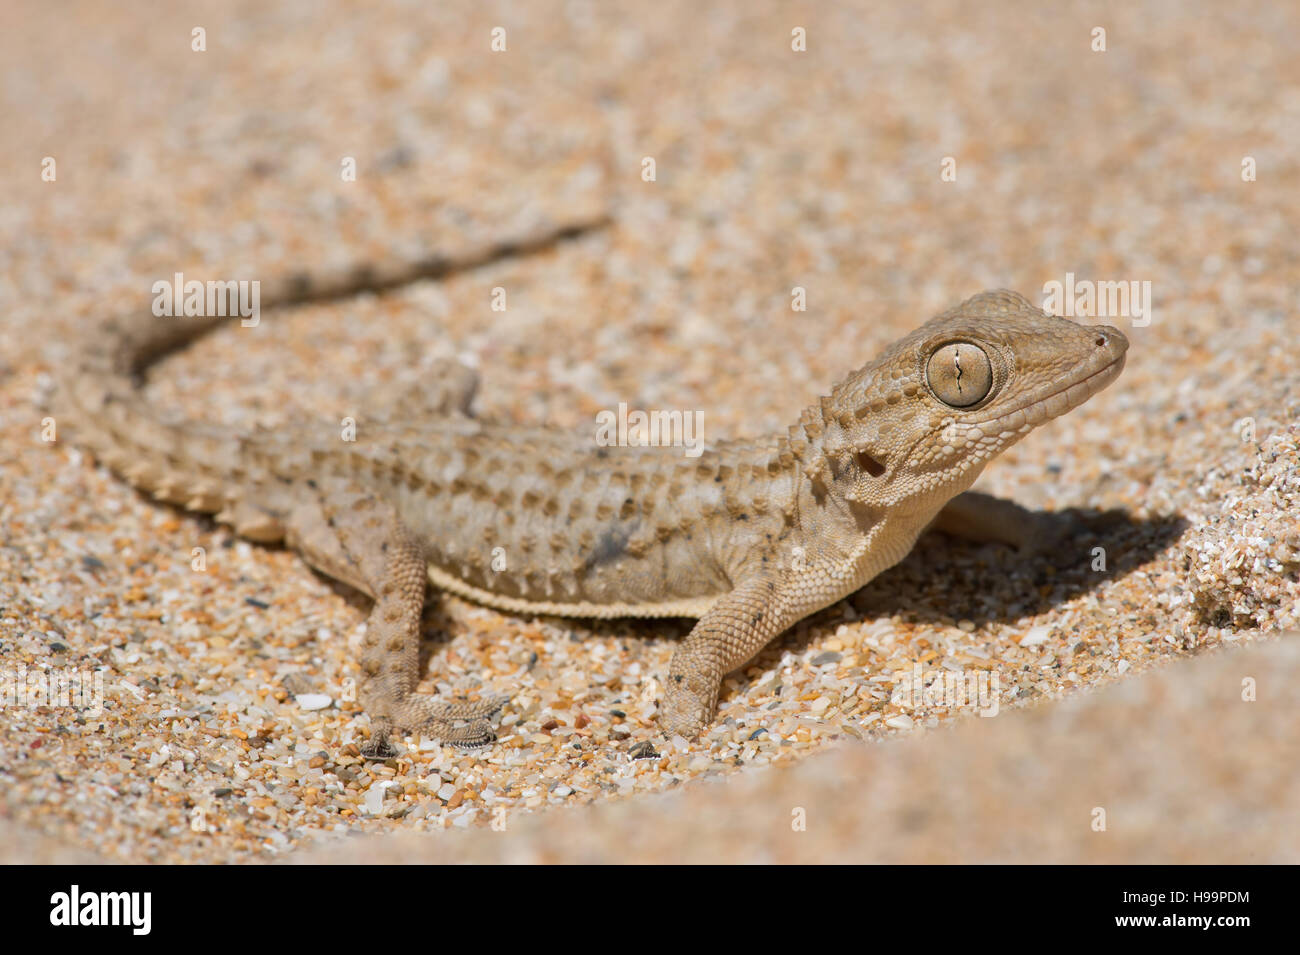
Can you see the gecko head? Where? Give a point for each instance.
(919, 423)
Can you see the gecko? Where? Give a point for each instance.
(748, 537)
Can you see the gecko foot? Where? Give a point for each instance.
(378, 748)
(463, 723)
(688, 705)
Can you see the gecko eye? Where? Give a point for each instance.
(959, 374)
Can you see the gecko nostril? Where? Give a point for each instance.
(1101, 341)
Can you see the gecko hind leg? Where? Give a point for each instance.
(390, 567)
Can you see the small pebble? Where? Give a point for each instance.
(643, 750)
(1035, 636)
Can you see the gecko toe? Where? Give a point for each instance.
(473, 735)
(462, 723)
(378, 749)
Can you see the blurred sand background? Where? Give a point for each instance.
(774, 169)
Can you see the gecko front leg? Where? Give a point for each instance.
(981, 517)
(728, 636)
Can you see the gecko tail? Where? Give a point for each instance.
(198, 465)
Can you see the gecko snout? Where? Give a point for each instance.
(1110, 337)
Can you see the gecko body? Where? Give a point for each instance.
(749, 537)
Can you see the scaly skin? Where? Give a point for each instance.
(750, 536)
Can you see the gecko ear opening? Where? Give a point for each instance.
(869, 464)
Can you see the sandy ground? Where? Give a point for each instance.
(1099, 778)
(774, 168)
